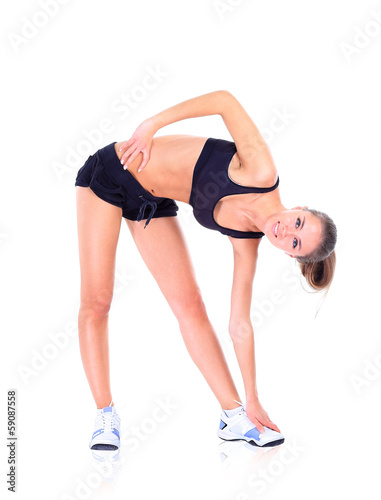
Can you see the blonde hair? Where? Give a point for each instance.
(319, 266)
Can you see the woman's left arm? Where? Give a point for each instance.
(240, 327)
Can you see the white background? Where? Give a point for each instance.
(317, 378)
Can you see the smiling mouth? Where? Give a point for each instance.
(276, 229)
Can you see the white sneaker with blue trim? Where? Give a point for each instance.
(240, 427)
(106, 435)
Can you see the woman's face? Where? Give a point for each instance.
(296, 231)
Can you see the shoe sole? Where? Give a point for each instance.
(251, 441)
(104, 446)
(104, 443)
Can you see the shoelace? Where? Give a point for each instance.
(243, 407)
(110, 422)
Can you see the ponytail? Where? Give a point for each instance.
(319, 274)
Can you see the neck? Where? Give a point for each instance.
(260, 212)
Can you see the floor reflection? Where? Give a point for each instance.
(240, 457)
(108, 463)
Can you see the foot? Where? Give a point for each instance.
(240, 427)
(107, 430)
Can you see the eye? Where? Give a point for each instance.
(294, 243)
(297, 222)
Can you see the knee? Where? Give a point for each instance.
(189, 308)
(96, 305)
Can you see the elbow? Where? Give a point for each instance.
(224, 98)
(225, 94)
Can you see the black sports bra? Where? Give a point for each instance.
(211, 182)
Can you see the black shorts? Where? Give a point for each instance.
(106, 177)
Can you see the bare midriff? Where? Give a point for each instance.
(169, 172)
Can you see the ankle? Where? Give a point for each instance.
(232, 404)
(99, 407)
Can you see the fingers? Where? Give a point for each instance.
(132, 148)
(131, 158)
(127, 153)
(259, 426)
(144, 160)
(271, 425)
(126, 144)
(260, 418)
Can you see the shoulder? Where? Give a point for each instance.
(264, 176)
(245, 247)
(257, 165)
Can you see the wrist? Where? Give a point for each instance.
(252, 398)
(153, 124)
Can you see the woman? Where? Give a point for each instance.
(139, 180)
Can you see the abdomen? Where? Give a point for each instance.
(169, 171)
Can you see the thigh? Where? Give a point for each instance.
(98, 224)
(163, 248)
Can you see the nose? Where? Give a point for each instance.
(285, 232)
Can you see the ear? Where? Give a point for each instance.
(292, 256)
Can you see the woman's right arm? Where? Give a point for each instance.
(251, 147)
(203, 105)
(207, 104)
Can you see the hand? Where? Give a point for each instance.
(140, 142)
(259, 417)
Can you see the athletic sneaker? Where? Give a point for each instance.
(240, 427)
(107, 429)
